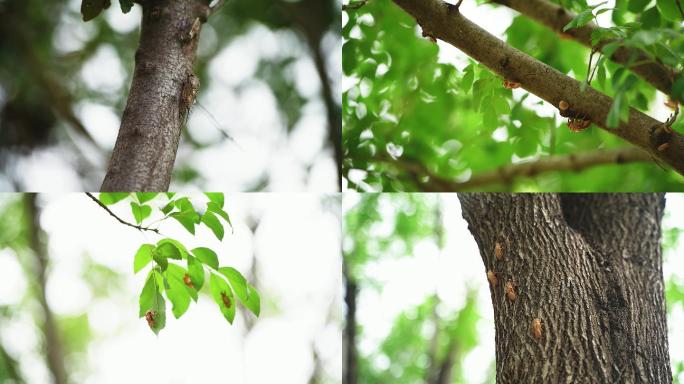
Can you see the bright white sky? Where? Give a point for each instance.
(243, 105)
(299, 275)
(456, 268)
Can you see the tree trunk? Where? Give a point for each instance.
(349, 344)
(53, 345)
(163, 89)
(589, 268)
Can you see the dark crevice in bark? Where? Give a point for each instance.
(158, 101)
(587, 266)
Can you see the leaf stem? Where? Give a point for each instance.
(138, 227)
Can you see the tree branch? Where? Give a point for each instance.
(556, 17)
(507, 173)
(162, 90)
(138, 227)
(441, 20)
(354, 5)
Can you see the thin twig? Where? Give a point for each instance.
(679, 6)
(354, 5)
(138, 227)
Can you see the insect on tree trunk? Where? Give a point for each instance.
(163, 89)
(585, 271)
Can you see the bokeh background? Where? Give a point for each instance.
(287, 245)
(423, 303)
(64, 83)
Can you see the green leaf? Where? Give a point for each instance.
(349, 60)
(140, 212)
(613, 118)
(206, 256)
(188, 219)
(169, 207)
(144, 197)
(178, 273)
(142, 257)
(223, 296)
(678, 89)
(214, 208)
(110, 198)
(253, 302)
(468, 77)
(196, 272)
(582, 19)
(151, 300)
(126, 5)
(668, 10)
(169, 250)
(650, 18)
(91, 8)
(636, 6)
(610, 48)
(181, 248)
(237, 282)
(216, 198)
(162, 261)
(210, 220)
(179, 296)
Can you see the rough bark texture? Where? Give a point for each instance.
(589, 267)
(444, 21)
(555, 17)
(52, 343)
(160, 96)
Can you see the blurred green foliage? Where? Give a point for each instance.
(405, 110)
(425, 341)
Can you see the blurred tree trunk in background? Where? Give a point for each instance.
(350, 363)
(53, 346)
(589, 268)
(162, 91)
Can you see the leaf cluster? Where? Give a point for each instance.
(178, 274)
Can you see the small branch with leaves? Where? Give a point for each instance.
(428, 181)
(120, 220)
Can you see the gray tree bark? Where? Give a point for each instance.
(589, 268)
(163, 89)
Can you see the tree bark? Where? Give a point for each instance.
(53, 345)
(556, 17)
(443, 21)
(163, 89)
(589, 268)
